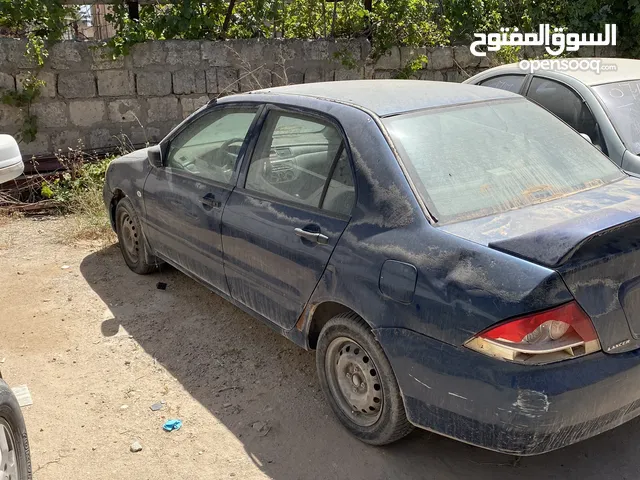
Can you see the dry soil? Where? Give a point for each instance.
(97, 345)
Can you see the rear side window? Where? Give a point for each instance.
(511, 83)
(479, 159)
(302, 159)
(566, 104)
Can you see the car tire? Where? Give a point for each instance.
(16, 461)
(131, 239)
(358, 381)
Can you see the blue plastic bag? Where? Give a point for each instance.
(171, 425)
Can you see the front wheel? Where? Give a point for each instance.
(131, 239)
(15, 461)
(358, 381)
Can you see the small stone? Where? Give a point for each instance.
(65, 267)
(95, 448)
(135, 447)
(258, 426)
(261, 427)
(227, 405)
(124, 407)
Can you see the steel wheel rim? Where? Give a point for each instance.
(8, 457)
(129, 236)
(354, 381)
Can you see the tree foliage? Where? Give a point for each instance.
(385, 22)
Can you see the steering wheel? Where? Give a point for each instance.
(228, 152)
(219, 162)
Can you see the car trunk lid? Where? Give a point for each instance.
(592, 239)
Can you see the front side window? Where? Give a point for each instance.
(567, 105)
(209, 146)
(511, 83)
(622, 101)
(293, 159)
(479, 159)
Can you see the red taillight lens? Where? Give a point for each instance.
(556, 334)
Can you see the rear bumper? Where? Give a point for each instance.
(12, 171)
(510, 408)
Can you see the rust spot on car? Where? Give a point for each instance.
(306, 314)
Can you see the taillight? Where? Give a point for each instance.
(544, 337)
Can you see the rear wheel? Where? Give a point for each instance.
(15, 461)
(131, 239)
(358, 381)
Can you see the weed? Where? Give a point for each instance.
(78, 191)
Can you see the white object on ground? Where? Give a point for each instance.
(23, 395)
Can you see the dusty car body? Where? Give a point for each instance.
(603, 105)
(421, 281)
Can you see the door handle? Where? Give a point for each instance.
(312, 236)
(209, 200)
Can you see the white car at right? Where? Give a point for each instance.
(603, 106)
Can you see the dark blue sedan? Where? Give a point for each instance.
(454, 267)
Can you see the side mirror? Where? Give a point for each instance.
(586, 137)
(155, 156)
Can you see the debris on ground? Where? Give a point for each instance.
(23, 395)
(171, 425)
(65, 267)
(135, 447)
(161, 286)
(157, 406)
(261, 427)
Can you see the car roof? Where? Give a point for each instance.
(626, 69)
(390, 97)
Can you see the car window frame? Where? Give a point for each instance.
(166, 142)
(251, 150)
(579, 95)
(525, 82)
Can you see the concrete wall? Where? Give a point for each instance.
(140, 97)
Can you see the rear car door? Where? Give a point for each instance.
(184, 199)
(512, 82)
(283, 220)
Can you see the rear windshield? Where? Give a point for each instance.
(479, 159)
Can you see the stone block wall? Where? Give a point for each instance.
(100, 102)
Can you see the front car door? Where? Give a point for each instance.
(184, 199)
(283, 220)
(565, 103)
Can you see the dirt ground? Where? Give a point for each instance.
(98, 345)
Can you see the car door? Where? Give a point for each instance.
(185, 198)
(565, 103)
(283, 220)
